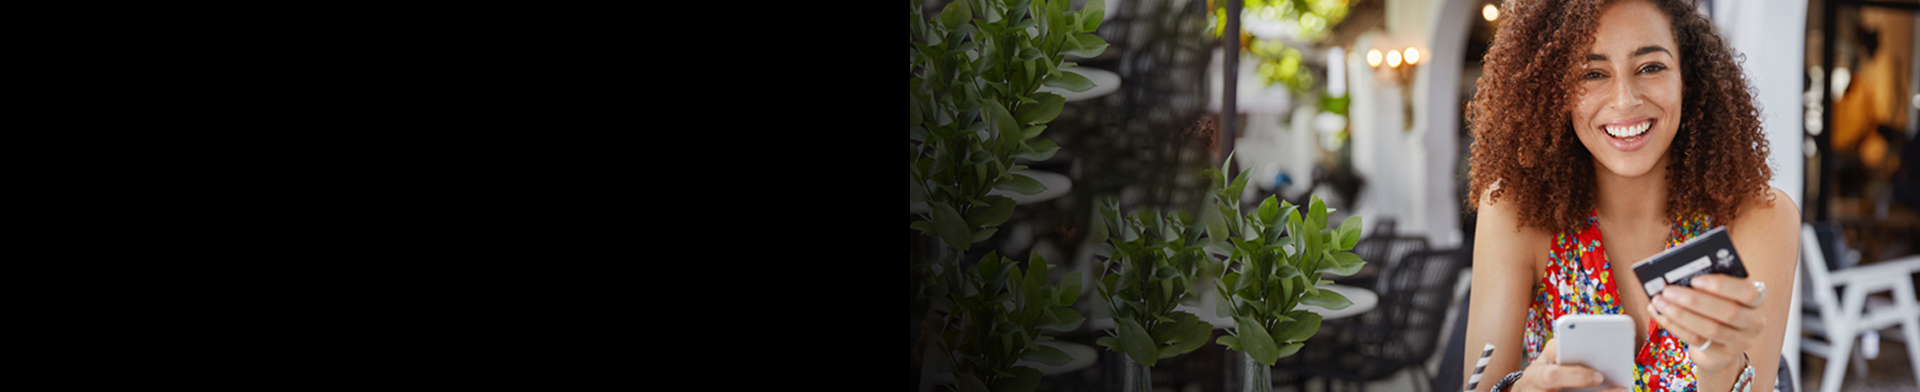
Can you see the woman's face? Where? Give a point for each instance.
(1627, 103)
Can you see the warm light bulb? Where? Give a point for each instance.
(1413, 56)
(1393, 58)
(1490, 12)
(1373, 58)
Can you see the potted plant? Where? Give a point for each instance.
(1272, 273)
(975, 108)
(1152, 262)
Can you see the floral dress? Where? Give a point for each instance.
(1579, 280)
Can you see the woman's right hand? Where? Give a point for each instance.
(1546, 375)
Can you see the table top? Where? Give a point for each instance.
(1363, 301)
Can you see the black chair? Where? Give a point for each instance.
(1400, 333)
(1380, 250)
(1452, 361)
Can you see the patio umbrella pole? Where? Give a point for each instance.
(1228, 117)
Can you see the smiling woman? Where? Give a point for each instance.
(1631, 115)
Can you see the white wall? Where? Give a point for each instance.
(1772, 34)
(1410, 170)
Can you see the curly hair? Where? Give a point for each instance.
(1718, 157)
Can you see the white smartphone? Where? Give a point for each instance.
(1602, 342)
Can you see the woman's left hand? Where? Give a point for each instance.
(1719, 318)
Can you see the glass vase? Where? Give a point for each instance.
(1137, 377)
(1255, 376)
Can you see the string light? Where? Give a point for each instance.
(1490, 12)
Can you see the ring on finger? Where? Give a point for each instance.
(1762, 287)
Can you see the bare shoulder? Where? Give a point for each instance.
(1499, 238)
(1773, 216)
(1769, 228)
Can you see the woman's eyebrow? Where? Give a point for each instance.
(1636, 53)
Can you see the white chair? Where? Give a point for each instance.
(1841, 320)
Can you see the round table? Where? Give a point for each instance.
(1363, 301)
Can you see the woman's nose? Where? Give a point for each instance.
(1626, 94)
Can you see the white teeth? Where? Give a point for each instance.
(1630, 130)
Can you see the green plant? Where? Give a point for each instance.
(995, 313)
(976, 107)
(977, 69)
(1273, 274)
(1152, 262)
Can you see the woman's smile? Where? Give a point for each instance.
(1630, 134)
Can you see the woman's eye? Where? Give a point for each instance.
(1593, 75)
(1651, 68)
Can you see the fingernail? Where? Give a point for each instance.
(1650, 309)
(1670, 293)
(1659, 304)
(1597, 378)
(1704, 284)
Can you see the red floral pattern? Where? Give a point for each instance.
(1579, 280)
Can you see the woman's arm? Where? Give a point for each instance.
(1503, 276)
(1716, 309)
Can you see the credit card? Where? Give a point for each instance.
(1710, 253)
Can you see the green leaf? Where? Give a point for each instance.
(1069, 290)
(1069, 80)
(1223, 307)
(1020, 184)
(1047, 110)
(1111, 343)
(1024, 379)
(1269, 209)
(1232, 342)
(1289, 350)
(1316, 215)
(1256, 341)
(1046, 354)
(1094, 11)
(969, 383)
(1023, 24)
(1027, 54)
(1327, 299)
(1349, 233)
(1239, 186)
(984, 234)
(1066, 319)
(950, 227)
(1343, 264)
(1088, 45)
(997, 210)
(1032, 131)
(1138, 343)
(955, 14)
(1001, 124)
(1300, 330)
(1039, 149)
(1190, 333)
(1286, 271)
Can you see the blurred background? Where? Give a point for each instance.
(1359, 102)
